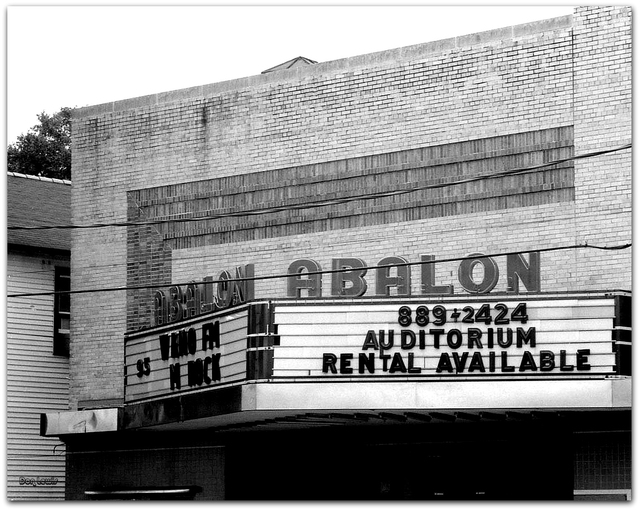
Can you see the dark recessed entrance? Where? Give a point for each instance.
(462, 463)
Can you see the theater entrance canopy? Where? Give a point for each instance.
(320, 362)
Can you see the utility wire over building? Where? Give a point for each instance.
(402, 275)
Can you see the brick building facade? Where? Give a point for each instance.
(407, 152)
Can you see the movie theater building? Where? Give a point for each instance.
(402, 275)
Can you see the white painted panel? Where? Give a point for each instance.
(310, 337)
(232, 350)
(537, 310)
(438, 395)
(235, 340)
(562, 326)
(599, 363)
(337, 329)
(293, 353)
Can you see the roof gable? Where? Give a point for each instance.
(290, 64)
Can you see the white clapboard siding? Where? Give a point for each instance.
(37, 382)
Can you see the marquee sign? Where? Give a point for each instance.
(206, 352)
(513, 337)
(463, 338)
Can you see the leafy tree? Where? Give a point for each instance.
(46, 148)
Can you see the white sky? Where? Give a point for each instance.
(79, 55)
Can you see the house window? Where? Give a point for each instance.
(62, 312)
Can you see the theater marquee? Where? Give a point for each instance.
(188, 355)
(554, 337)
(367, 339)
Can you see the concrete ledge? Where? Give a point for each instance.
(546, 25)
(499, 34)
(136, 102)
(178, 95)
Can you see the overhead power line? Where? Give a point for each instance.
(324, 203)
(328, 271)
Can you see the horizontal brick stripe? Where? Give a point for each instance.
(403, 170)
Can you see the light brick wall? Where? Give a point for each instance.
(603, 107)
(150, 248)
(490, 232)
(502, 82)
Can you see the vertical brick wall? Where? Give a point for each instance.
(503, 82)
(603, 106)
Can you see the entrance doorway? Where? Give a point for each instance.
(468, 464)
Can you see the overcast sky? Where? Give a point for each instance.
(79, 55)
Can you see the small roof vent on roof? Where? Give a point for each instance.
(290, 64)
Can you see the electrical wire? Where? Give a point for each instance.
(18, 273)
(311, 205)
(324, 203)
(185, 258)
(327, 271)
